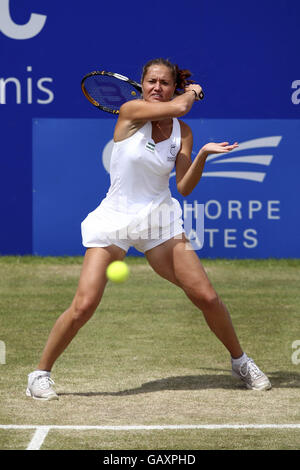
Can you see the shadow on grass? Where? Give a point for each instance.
(278, 379)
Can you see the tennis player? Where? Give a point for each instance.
(149, 140)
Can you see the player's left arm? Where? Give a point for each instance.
(188, 172)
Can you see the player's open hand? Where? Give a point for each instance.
(222, 147)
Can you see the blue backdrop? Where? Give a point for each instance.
(54, 146)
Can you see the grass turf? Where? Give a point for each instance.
(148, 357)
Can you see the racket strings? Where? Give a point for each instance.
(109, 91)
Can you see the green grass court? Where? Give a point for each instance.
(147, 358)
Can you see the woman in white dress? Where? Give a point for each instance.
(149, 141)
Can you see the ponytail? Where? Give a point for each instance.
(182, 79)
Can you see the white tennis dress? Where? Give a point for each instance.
(138, 209)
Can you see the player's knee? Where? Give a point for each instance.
(83, 308)
(208, 300)
(205, 299)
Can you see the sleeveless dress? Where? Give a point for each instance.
(138, 209)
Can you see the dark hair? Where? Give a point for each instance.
(180, 76)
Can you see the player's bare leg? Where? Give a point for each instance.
(90, 289)
(176, 261)
(180, 265)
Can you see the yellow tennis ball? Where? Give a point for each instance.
(117, 271)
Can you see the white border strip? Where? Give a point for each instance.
(42, 431)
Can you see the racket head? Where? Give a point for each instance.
(108, 90)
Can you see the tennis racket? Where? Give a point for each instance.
(108, 90)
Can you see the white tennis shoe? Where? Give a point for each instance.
(40, 386)
(251, 375)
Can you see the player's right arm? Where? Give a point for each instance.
(134, 114)
(141, 110)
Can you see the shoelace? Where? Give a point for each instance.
(45, 381)
(253, 370)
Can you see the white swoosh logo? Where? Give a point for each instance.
(273, 141)
(225, 158)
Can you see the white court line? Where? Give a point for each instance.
(38, 438)
(42, 431)
(152, 427)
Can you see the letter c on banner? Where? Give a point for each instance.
(17, 31)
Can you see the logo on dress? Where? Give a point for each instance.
(172, 157)
(150, 146)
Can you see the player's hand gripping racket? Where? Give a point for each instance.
(108, 91)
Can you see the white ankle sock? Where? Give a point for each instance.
(238, 361)
(37, 372)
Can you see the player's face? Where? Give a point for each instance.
(158, 84)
